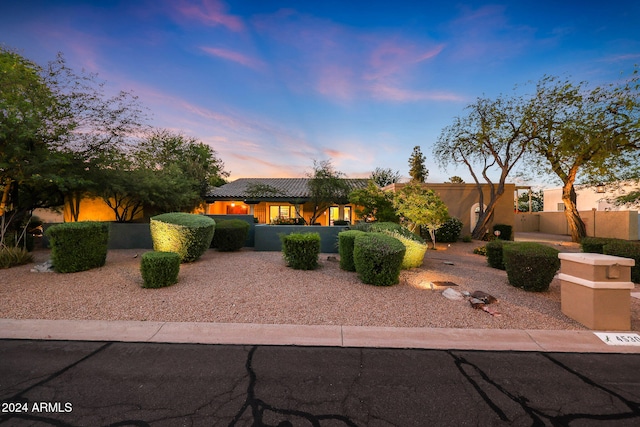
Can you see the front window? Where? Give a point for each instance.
(280, 212)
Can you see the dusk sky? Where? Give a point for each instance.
(272, 85)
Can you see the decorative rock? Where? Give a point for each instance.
(452, 294)
(484, 297)
(45, 267)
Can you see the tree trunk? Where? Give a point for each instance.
(576, 225)
(5, 195)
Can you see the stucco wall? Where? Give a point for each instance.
(614, 224)
(268, 236)
(461, 198)
(94, 209)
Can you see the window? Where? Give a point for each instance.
(334, 214)
(282, 211)
(561, 207)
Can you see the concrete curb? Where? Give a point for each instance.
(309, 335)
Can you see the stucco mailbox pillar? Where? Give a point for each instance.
(595, 290)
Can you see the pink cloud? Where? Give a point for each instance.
(233, 56)
(210, 12)
(390, 93)
(342, 63)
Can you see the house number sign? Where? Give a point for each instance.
(626, 338)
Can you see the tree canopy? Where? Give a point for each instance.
(585, 132)
(489, 141)
(326, 187)
(385, 176)
(417, 169)
(420, 207)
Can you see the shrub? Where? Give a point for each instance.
(300, 250)
(78, 246)
(346, 241)
(480, 250)
(415, 251)
(378, 258)
(450, 231)
(159, 269)
(11, 256)
(340, 222)
(392, 227)
(595, 245)
(287, 221)
(626, 249)
(530, 266)
(467, 238)
(494, 250)
(230, 235)
(188, 235)
(415, 245)
(505, 231)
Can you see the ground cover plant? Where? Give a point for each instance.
(159, 269)
(78, 246)
(188, 235)
(301, 250)
(530, 266)
(11, 256)
(378, 258)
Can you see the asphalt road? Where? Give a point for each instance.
(77, 383)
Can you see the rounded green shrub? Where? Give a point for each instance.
(595, 245)
(505, 231)
(230, 235)
(415, 251)
(530, 266)
(378, 258)
(346, 242)
(188, 235)
(450, 231)
(494, 254)
(626, 249)
(159, 269)
(78, 246)
(301, 250)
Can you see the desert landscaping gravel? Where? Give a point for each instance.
(257, 287)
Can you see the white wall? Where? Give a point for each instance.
(588, 198)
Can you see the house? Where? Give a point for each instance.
(590, 197)
(271, 198)
(275, 199)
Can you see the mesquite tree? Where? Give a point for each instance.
(589, 133)
(489, 141)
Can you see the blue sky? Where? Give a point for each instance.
(273, 85)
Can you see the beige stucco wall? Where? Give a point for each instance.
(461, 198)
(94, 209)
(613, 224)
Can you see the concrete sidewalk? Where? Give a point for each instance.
(311, 335)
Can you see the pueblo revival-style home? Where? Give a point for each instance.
(271, 198)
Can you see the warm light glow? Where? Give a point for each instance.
(233, 205)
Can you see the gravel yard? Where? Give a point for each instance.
(257, 287)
